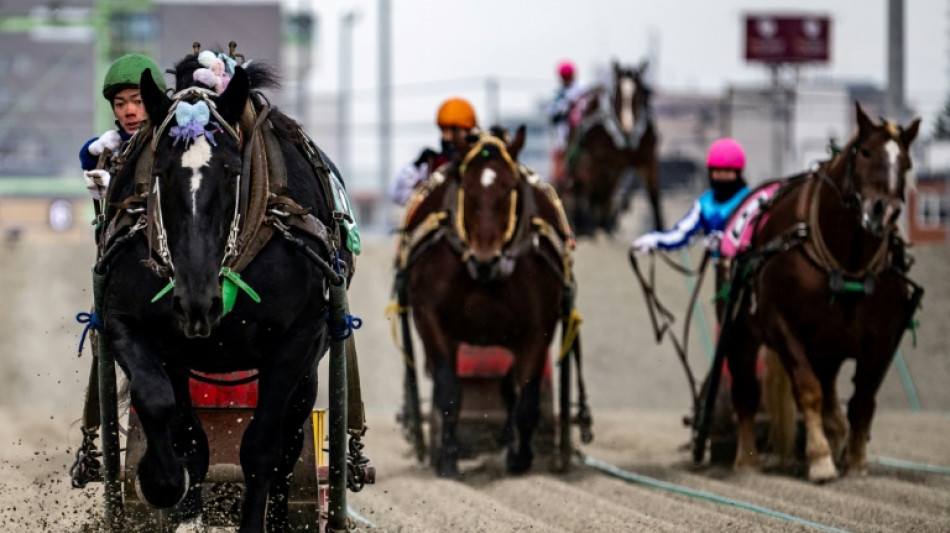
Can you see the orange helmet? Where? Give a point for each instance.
(456, 112)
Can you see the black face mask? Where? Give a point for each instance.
(448, 148)
(724, 190)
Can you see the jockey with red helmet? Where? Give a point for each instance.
(709, 213)
(456, 117)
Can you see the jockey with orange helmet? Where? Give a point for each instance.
(709, 213)
(455, 118)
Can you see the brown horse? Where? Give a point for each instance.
(487, 261)
(824, 281)
(616, 133)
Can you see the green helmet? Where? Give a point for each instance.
(126, 72)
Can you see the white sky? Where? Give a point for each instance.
(699, 44)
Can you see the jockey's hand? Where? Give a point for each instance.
(644, 244)
(426, 155)
(97, 183)
(109, 140)
(713, 240)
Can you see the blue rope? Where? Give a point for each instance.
(699, 494)
(340, 331)
(336, 263)
(92, 322)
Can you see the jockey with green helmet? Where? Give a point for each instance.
(121, 89)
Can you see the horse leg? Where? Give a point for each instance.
(508, 395)
(835, 424)
(161, 477)
(301, 407)
(651, 176)
(526, 415)
(262, 446)
(447, 399)
(868, 375)
(191, 443)
(742, 351)
(808, 393)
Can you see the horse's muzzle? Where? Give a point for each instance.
(496, 268)
(197, 316)
(879, 214)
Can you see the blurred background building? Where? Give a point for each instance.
(55, 53)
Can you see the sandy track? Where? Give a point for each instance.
(638, 395)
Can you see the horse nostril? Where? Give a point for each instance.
(878, 208)
(177, 308)
(216, 306)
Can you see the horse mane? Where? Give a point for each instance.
(260, 74)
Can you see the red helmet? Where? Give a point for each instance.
(565, 69)
(726, 153)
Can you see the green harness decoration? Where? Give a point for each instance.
(229, 289)
(342, 204)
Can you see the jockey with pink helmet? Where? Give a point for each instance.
(709, 213)
(565, 97)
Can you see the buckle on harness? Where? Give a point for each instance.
(340, 215)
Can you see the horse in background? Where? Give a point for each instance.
(490, 271)
(181, 294)
(823, 281)
(615, 133)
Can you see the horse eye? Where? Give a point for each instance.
(865, 152)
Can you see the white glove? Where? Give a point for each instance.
(109, 140)
(644, 244)
(97, 182)
(713, 240)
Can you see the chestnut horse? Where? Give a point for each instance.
(824, 281)
(615, 133)
(486, 262)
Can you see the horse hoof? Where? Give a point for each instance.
(156, 502)
(518, 465)
(448, 470)
(822, 469)
(192, 526)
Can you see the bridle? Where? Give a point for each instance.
(481, 148)
(231, 247)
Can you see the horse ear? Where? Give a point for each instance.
(232, 101)
(515, 146)
(156, 103)
(643, 66)
(864, 122)
(616, 65)
(910, 133)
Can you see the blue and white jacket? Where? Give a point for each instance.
(706, 215)
(89, 161)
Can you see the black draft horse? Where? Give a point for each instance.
(157, 340)
(616, 133)
(488, 281)
(828, 283)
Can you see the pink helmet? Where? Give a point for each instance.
(726, 153)
(565, 69)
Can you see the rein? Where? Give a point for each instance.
(661, 318)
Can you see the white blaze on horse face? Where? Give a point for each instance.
(197, 156)
(488, 177)
(893, 152)
(627, 87)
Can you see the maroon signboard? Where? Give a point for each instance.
(787, 38)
